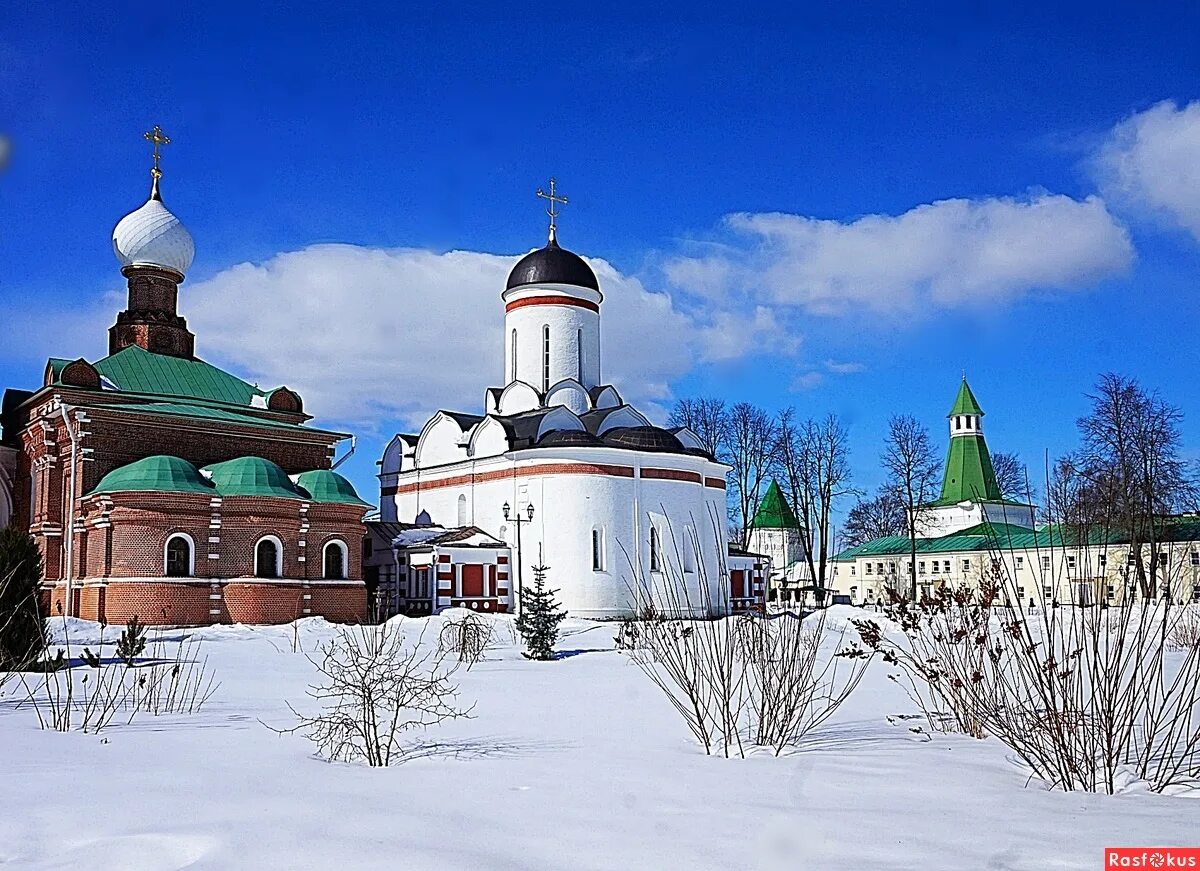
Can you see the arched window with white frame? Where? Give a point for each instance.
(268, 557)
(179, 556)
(333, 561)
(462, 509)
(655, 550)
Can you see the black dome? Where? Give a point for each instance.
(552, 265)
(563, 437)
(643, 438)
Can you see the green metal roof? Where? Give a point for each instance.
(136, 370)
(183, 409)
(1001, 536)
(965, 402)
(325, 485)
(774, 512)
(160, 473)
(969, 474)
(253, 476)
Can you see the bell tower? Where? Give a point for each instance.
(154, 250)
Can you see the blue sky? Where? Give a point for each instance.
(1036, 140)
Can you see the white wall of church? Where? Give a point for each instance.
(573, 331)
(943, 520)
(569, 506)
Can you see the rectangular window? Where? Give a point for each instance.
(868, 568)
(1048, 592)
(655, 547)
(946, 566)
(851, 571)
(892, 568)
(597, 550)
(966, 565)
(921, 567)
(935, 566)
(1196, 557)
(1020, 562)
(1111, 592)
(1102, 561)
(1071, 561)
(1045, 563)
(1196, 592)
(1021, 593)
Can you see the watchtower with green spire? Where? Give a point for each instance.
(775, 531)
(970, 494)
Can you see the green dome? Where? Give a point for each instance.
(252, 476)
(325, 485)
(161, 473)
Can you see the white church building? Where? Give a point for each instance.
(564, 472)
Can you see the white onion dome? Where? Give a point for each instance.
(152, 236)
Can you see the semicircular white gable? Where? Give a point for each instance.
(440, 442)
(569, 393)
(489, 439)
(560, 417)
(398, 456)
(624, 416)
(518, 397)
(688, 438)
(608, 398)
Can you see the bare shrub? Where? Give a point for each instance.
(738, 680)
(1186, 634)
(177, 683)
(1085, 696)
(795, 687)
(374, 690)
(466, 638)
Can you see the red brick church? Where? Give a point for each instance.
(159, 485)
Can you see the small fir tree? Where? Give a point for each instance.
(539, 617)
(22, 630)
(132, 641)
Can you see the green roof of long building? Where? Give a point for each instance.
(1002, 536)
(774, 512)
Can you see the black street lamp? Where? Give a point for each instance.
(509, 515)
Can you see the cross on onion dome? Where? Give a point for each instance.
(554, 199)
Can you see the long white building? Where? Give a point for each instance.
(563, 471)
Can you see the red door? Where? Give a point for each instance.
(472, 581)
(737, 580)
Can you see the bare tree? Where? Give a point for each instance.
(1128, 473)
(813, 457)
(708, 418)
(881, 515)
(913, 472)
(1011, 476)
(752, 444)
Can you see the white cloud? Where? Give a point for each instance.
(847, 368)
(943, 254)
(1151, 162)
(369, 334)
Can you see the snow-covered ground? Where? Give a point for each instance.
(585, 766)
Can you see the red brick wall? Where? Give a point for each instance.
(168, 603)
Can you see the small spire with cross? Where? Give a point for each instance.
(555, 199)
(159, 139)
